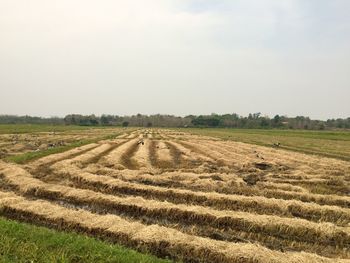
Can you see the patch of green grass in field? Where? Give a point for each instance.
(31, 156)
(334, 144)
(20, 242)
(32, 128)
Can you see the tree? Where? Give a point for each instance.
(206, 121)
(105, 119)
(277, 121)
(233, 120)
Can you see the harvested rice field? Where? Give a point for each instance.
(18, 142)
(189, 198)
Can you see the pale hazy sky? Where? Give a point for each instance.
(177, 57)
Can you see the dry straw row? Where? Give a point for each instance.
(155, 239)
(286, 228)
(261, 205)
(257, 204)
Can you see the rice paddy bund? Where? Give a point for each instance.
(190, 198)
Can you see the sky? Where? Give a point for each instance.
(181, 57)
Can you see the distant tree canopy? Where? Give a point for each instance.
(206, 121)
(83, 120)
(14, 119)
(252, 121)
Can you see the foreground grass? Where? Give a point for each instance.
(335, 144)
(21, 242)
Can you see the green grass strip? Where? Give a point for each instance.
(32, 128)
(334, 144)
(21, 242)
(31, 156)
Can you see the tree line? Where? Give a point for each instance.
(252, 121)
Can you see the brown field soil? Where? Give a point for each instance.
(189, 198)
